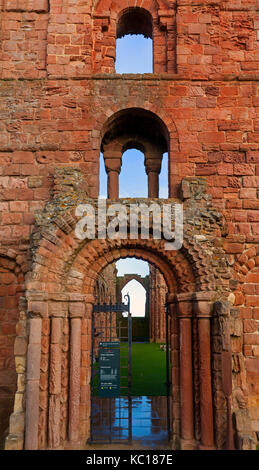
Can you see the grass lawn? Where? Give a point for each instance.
(148, 370)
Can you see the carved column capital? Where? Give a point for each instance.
(184, 305)
(76, 309)
(113, 164)
(170, 298)
(57, 309)
(112, 161)
(203, 304)
(153, 167)
(153, 164)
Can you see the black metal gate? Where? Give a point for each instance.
(111, 410)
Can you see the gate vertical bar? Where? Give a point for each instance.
(110, 319)
(92, 376)
(167, 375)
(129, 368)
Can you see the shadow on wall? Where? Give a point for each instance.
(6, 402)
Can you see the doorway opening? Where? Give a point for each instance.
(130, 386)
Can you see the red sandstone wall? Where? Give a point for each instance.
(63, 39)
(10, 291)
(24, 26)
(214, 134)
(217, 38)
(213, 125)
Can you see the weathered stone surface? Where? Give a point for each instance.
(17, 423)
(61, 102)
(14, 442)
(55, 368)
(33, 363)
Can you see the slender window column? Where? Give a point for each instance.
(112, 161)
(153, 167)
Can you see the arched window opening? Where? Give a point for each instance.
(134, 269)
(133, 178)
(134, 43)
(137, 295)
(128, 133)
(134, 40)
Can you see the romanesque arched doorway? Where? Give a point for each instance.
(60, 298)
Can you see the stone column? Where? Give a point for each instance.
(15, 437)
(151, 303)
(175, 378)
(222, 356)
(184, 313)
(57, 311)
(153, 167)
(112, 161)
(162, 296)
(76, 312)
(85, 391)
(203, 310)
(33, 384)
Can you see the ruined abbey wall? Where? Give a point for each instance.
(58, 90)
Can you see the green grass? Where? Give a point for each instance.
(148, 370)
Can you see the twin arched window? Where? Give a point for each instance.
(134, 130)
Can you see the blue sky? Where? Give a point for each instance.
(134, 55)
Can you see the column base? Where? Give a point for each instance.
(202, 447)
(188, 444)
(73, 445)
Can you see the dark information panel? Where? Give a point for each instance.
(109, 369)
